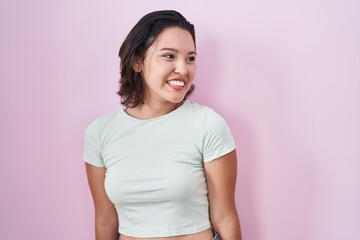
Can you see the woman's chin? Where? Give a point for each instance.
(177, 99)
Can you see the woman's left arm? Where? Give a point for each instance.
(221, 180)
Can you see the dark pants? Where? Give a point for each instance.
(216, 236)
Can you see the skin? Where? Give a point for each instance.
(172, 56)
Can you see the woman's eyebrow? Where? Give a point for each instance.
(175, 50)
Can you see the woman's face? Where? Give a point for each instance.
(169, 66)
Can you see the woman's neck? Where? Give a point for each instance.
(149, 110)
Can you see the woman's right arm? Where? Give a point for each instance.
(106, 219)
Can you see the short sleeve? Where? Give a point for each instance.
(92, 146)
(217, 138)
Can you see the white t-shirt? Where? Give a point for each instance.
(154, 167)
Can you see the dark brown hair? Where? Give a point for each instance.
(134, 47)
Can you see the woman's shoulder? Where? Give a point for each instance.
(102, 121)
(196, 107)
(208, 117)
(203, 110)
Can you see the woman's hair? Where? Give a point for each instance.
(134, 48)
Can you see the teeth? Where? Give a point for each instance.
(176, 83)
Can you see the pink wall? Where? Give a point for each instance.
(285, 75)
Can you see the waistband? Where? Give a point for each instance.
(216, 236)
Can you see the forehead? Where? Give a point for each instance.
(175, 37)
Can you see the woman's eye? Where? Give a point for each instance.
(169, 56)
(191, 59)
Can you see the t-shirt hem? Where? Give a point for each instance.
(225, 150)
(94, 163)
(165, 233)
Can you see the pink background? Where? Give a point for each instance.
(286, 76)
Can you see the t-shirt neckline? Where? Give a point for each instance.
(124, 113)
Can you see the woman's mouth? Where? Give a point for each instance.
(176, 84)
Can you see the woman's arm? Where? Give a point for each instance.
(106, 219)
(221, 180)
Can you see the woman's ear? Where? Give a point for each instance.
(137, 66)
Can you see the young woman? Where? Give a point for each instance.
(163, 167)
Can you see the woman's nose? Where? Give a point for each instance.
(181, 68)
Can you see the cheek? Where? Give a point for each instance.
(163, 69)
(192, 71)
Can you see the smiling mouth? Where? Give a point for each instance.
(176, 83)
